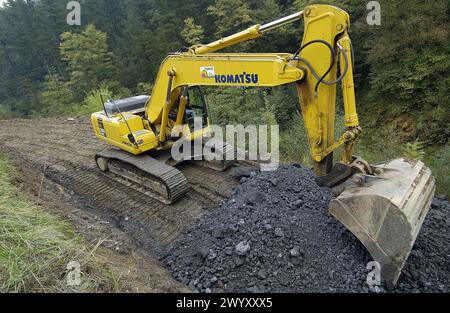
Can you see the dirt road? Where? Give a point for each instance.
(55, 157)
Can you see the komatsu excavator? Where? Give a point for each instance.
(383, 205)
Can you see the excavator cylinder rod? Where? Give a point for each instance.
(282, 21)
(252, 32)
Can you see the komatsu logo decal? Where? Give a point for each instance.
(243, 78)
(207, 72)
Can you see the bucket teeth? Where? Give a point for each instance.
(386, 211)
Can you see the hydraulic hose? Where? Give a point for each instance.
(321, 79)
(332, 57)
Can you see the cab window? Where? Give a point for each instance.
(196, 107)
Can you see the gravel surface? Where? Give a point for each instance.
(275, 235)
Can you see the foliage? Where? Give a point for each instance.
(283, 103)
(239, 106)
(410, 65)
(93, 103)
(4, 112)
(57, 98)
(377, 145)
(437, 160)
(294, 144)
(413, 150)
(231, 15)
(144, 88)
(193, 34)
(88, 59)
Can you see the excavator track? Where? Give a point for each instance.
(144, 174)
(225, 162)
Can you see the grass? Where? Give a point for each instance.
(437, 159)
(36, 247)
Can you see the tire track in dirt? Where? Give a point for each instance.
(64, 150)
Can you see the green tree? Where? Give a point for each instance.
(193, 34)
(230, 15)
(280, 39)
(283, 103)
(88, 59)
(56, 98)
(409, 60)
(28, 48)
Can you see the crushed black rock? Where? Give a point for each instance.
(275, 235)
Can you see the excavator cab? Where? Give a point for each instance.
(196, 108)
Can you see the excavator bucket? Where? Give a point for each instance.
(385, 211)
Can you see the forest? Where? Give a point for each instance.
(402, 67)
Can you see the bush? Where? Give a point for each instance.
(294, 145)
(437, 160)
(413, 150)
(144, 88)
(93, 103)
(237, 106)
(56, 98)
(4, 112)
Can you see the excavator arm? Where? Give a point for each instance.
(319, 54)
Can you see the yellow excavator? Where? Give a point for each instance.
(383, 204)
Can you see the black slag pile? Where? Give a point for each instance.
(275, 235)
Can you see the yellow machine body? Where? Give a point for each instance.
(201, 67)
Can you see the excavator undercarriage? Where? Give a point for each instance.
(144, 174)
(156, 175)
